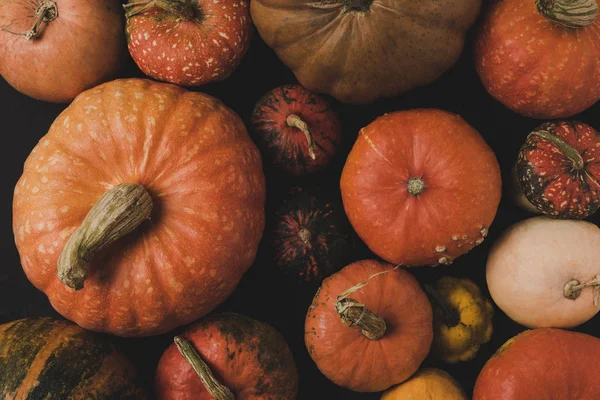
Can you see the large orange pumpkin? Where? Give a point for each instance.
(421, 187)
(178, 164)
(544, 61)
(369, 326)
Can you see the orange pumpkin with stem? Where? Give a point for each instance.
(178, 169)
(369, 326)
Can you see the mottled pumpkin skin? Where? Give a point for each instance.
(205, 176)
(457, 205)
(311, 237)
(535, 66)
(344, 354)
(249, 357)
(207, 48)
(542, 364)
(548, 178)
(80, 49)
(427, 384)
(361, 50)
(287, 147)
(42, 358)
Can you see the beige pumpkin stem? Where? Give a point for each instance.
(212, 385)
(294, 121)
(118, 212)
(184, 9)
(304, 235)
(46, 11)
(353, 313)
(575, 14)
(573, 289)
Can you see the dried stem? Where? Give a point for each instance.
(573, 289)
(46, 12)
(294, 121)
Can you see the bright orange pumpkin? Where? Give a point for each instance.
(206, 188)
(376, 334)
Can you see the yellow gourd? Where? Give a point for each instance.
(462, 319)
(427, 384)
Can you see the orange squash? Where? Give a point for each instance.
(369, 326)
(178, 169)
(427, 384)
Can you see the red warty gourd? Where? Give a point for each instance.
(361, 50)
(296, 129)
(226, 357)
(541, 58)
(558, 170)
(53, 50)
(176, 168)
(544, 272)
(421, 187)
(188, 42)
(369, 326)
(546, 363)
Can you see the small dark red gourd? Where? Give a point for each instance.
(311, 236)
(558, 170)
(227, 356)
(296, 129)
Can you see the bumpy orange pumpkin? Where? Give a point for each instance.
(179, 169)
(369, 326)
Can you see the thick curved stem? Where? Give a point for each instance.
(118, 212)
(568, 150)
(46, 11)
(575, 14)
(294, 121)
(184, 9)
(216, 389)
(573, 289)
(353, 313)
(450, 315)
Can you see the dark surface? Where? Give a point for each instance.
(263, 294)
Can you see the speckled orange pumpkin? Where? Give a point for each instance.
(179, 169)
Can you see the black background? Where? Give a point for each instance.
(263, 294)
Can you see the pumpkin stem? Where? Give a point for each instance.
(563, 146)
(294, 121)
(184, 9)
(573, 14)
(46, 11)
(354, 313)
(304, 235)
(449, 314)
(357, 5)
(573, 289)
(216, 389)
(118, 212)
(415, 186)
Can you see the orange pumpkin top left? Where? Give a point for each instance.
(204, 176)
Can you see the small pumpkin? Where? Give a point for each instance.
(227, 356)
(177, 169)
(361, 50)
(296, 129)
(369, 326)
(539, 57)
(558, 170)
(311, 236)
(188, 42)
(44, 358)
(462, 319)
(428, 383)
(52, 50)
(542, 364)
(544, 272)
(421, 187)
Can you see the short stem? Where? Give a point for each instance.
(46, 11)
(118, 212)
(214, 388)
(353, 313)
(573, 289)
(575, 14)
(304, 235)
(184, 9)
(450, 315)
(357, 5)
(415, 186)
(294, 121)
(563, 146)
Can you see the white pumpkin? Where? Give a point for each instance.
(535, 261)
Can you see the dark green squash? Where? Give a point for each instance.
(44, 358)
(311, 236)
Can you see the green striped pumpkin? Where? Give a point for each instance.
(48, 359)
(569, 13)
